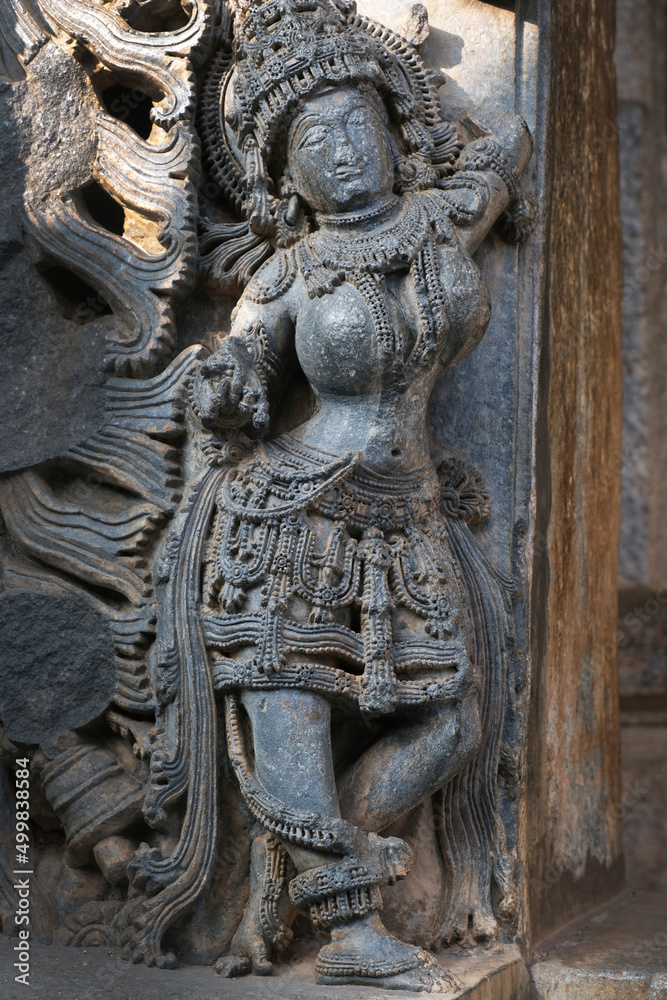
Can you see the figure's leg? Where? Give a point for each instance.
(413, 760)
(265, 926)
(292, 750)
(401, 768)
(293, 761)
(292, 745)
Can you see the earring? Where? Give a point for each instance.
(287, 188)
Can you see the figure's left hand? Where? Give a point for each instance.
(508, 129)
(502, 144)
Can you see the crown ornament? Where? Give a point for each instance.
(272, 56)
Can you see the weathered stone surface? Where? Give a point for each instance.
(572, 835)
(57, 665)
(643, 803)
(641, 65)
(122, 215)
(489, 63)
(642, 648)
(528, 408)
(95, 974)
(620, 952)
(52, 358)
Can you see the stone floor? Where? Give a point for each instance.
(619, 952)
(60, 973)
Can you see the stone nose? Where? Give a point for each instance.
(346, 151)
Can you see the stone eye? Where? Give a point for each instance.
(314, 137)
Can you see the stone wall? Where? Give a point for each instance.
(537, 410)
(641, 62)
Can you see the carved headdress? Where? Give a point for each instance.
(274, 56)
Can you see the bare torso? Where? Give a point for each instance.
(364, 403)
(372, 399)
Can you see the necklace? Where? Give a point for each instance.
(404, 237)
(327, 256)
(350, 220)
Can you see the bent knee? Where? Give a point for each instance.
(456, 732)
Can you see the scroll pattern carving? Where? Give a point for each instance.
(152, 178)
(23, 30)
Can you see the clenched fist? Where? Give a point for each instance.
(227, 391)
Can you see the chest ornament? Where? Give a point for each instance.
(342, 247)
(406, 239)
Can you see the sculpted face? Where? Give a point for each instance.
(339, 155)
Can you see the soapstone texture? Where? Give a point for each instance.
(619, 951)
(52, 366)
(113, 450)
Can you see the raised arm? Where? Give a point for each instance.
(235, 384)
(496, 159)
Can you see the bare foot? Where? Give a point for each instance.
(234, 964)
(363, 953)
(248, 951)
(262, 926)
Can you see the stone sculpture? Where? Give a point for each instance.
(315, 610)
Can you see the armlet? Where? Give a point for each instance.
(273, 279)
(463, 198)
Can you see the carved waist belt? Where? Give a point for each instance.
(285, 477)
(326, 576)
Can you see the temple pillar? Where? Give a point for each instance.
(573, 837)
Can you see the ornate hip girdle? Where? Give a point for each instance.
(302, 543)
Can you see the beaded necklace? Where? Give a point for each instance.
(404, 237)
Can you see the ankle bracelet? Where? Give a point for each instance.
(345, 906)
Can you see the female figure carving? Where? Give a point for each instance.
(333, 613)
